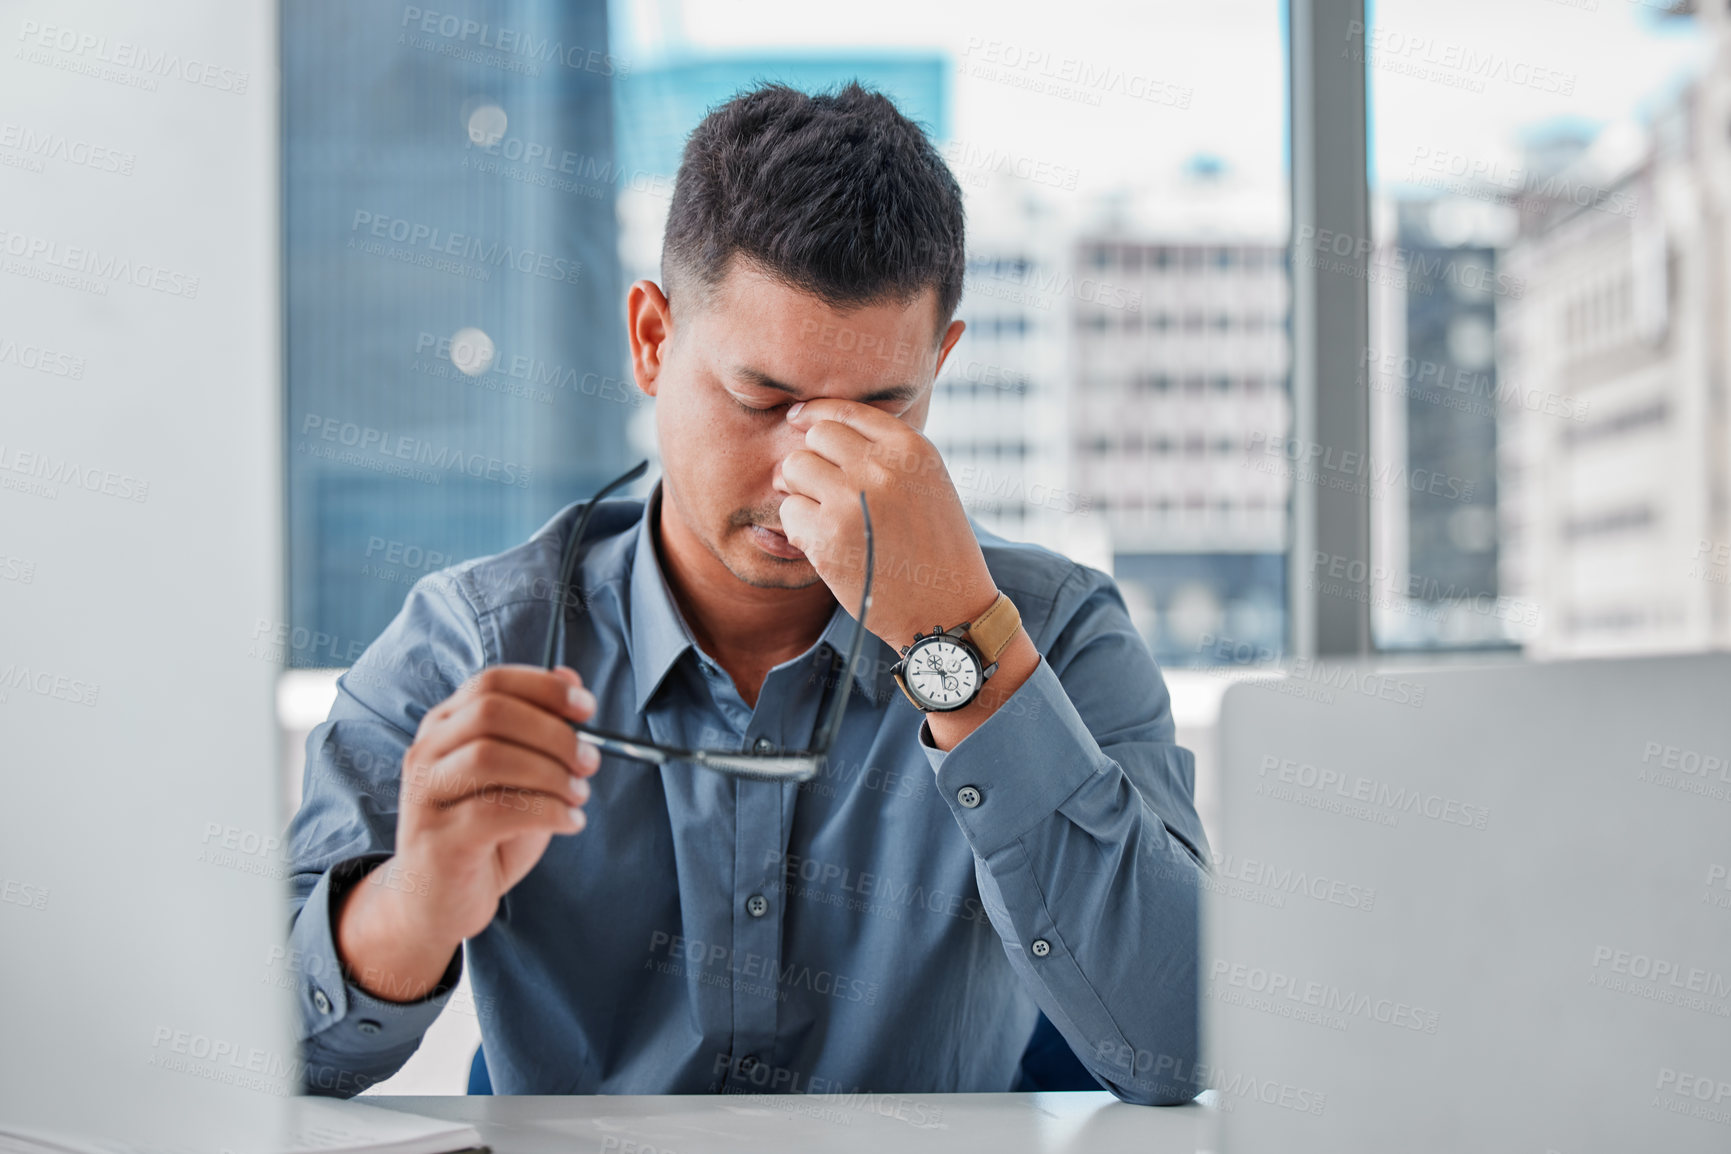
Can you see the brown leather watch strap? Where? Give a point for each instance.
(992, 631)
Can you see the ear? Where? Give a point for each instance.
(649, 321)
(951, 336)
(921, 409)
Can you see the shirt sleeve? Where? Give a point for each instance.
(345, 830)
(1079, 807)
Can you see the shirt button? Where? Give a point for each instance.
(321, 1003)
(764, 745)
(747, 1064)
(368, 1026)
(969, 796)
(1041, 947)
(756, 905)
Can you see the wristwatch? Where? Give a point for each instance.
(942, 671)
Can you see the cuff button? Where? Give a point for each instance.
(368, 1026)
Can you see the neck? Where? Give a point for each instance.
(748, 629)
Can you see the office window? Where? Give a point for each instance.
(447, 395)
(1545, 295)
(1078, 246)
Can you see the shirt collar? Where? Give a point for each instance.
(659, 634)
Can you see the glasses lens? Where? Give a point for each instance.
(790, 767)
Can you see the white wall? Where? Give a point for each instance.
(140, 533)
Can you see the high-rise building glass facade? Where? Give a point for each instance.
(456, 364)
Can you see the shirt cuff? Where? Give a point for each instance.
(336, 1014)
(1017, 766)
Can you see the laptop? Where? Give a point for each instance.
(1475, 909)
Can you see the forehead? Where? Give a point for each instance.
(754, 320)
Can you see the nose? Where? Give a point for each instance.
(786, 440)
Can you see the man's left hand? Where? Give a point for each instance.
(929, 568)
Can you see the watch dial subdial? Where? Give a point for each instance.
(943, 674)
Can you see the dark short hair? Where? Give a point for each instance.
(835, 194)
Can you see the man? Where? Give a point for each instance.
(898, 923)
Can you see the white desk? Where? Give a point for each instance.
(1076, 1123)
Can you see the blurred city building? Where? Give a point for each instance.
(452, 295)
(1179, 384)
(1433, 381)
(1000, 407)
(1617, 481)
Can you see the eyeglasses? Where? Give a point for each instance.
(801, 766)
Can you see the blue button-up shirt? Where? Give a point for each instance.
(896, 924)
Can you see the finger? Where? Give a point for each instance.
(845, 446)
(869, 421)
(805, 473)
(588, 757)
(550, 690)
(506, 718)
(799, 516)
(802, 525)
(487, 818)
(489, 763)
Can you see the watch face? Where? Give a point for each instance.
(942, 674)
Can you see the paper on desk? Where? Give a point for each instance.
(317, 1126)
(335, 1127)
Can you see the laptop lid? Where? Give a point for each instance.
(1474, 909)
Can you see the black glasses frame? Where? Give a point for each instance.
(799, 766)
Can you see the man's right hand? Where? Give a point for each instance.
(494, 772)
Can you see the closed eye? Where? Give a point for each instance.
(756, 412)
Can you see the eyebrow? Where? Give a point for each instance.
(764, 381)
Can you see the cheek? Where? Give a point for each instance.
(733, 457)
(697, 430)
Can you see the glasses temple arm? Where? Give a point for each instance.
(838, 706)
(568, 557)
